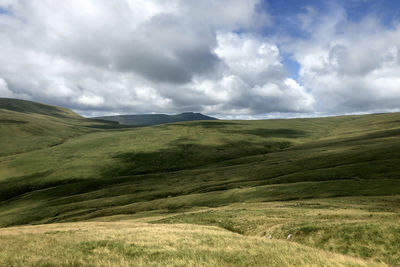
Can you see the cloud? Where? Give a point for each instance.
(350, 66)
(138, 56)
(4, 91)
(223, 59)
(254, 80)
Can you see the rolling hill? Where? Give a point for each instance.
(155, 119)
(176, 193)
(27, 126)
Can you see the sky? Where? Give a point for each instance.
(233, 59)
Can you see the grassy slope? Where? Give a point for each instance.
(28, 126)
(138, 244)
(336, 178)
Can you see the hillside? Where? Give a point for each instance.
(28, 107)
(332, 183)
(27, 126)
(139, 244)
(155, 119)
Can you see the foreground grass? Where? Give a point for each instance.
(364, 227)
(138, 244)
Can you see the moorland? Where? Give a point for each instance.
(283, 192)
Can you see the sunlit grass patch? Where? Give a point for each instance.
(138, 244)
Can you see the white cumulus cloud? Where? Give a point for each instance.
(350, 66)
(137, 56)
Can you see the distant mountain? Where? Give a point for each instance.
(154, 119)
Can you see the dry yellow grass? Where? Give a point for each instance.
(127, 243)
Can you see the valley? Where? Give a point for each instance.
(177, 193)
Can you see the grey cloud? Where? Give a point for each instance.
(164, 49)
(145, 56)
(355, 61)
(152, 66)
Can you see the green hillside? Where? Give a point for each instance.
(332, 183)
(27, 107)
(155, 119)
(27, 126)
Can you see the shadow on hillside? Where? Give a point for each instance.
(182, 154)
(354, 140)
(382, 134)
(6, 121)
(112, 126)
(206, 124)
(16, 186)
(280, 133)
(23, 106)
(109, 125)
